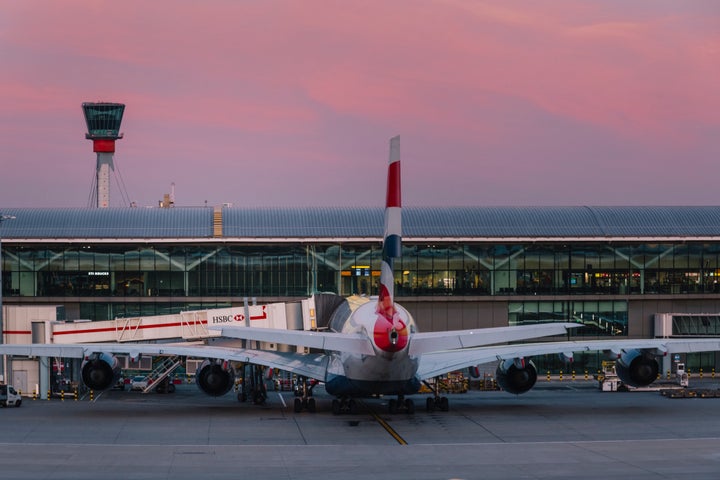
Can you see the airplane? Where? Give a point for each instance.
(373, 346)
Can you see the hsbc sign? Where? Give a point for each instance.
(228, 318)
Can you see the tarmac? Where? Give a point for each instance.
(558, 430)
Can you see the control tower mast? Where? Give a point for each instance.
(103, 124)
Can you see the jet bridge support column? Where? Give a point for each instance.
(44, 374)
(667, 366)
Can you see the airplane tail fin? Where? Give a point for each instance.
(392, 237)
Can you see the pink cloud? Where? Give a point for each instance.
(217, 80)
(379, 63)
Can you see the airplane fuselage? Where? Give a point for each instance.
(390, 371)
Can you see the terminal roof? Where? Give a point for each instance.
(582, 222)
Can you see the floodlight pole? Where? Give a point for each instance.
(2, 331)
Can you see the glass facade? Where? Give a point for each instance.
(606, 318)
(539, 281)
(689, 325)
(174, 272)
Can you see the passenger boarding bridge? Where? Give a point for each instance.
(38, 325)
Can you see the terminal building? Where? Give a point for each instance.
(632, 272)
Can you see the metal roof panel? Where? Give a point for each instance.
(347, 222)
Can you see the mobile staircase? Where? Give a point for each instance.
(161, 372)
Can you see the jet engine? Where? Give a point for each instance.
(100, 371)
(214, 378)
(516, 375)
(636, 368)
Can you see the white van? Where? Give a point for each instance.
(9, 396)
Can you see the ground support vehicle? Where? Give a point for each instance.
(9, 397)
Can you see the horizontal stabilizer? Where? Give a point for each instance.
(350, 343)
(451, 340)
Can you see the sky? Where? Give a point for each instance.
(292, 103)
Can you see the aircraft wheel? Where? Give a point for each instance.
(311, 405)
(298, 405)
(392, 406)
(336, 406)
(430, 404)
(410, 406)
(444, 404)
(352, 406)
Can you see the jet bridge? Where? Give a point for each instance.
(191, 325)
(31, 324)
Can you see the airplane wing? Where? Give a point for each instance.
(422, 343)
(439, 363)
(307, 365)
(340, 342)
(43, 350)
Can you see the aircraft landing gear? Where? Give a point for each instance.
(304, 403)
(436, 402)
(303, 396)
(253, 386)
(401, 404)
(344, 405)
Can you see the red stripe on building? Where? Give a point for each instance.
(260, 317)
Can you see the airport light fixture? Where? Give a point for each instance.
(2, 334)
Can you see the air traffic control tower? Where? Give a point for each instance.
(103, 123)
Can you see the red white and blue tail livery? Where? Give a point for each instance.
(391, 332)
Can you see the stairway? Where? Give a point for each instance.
(161, 371)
